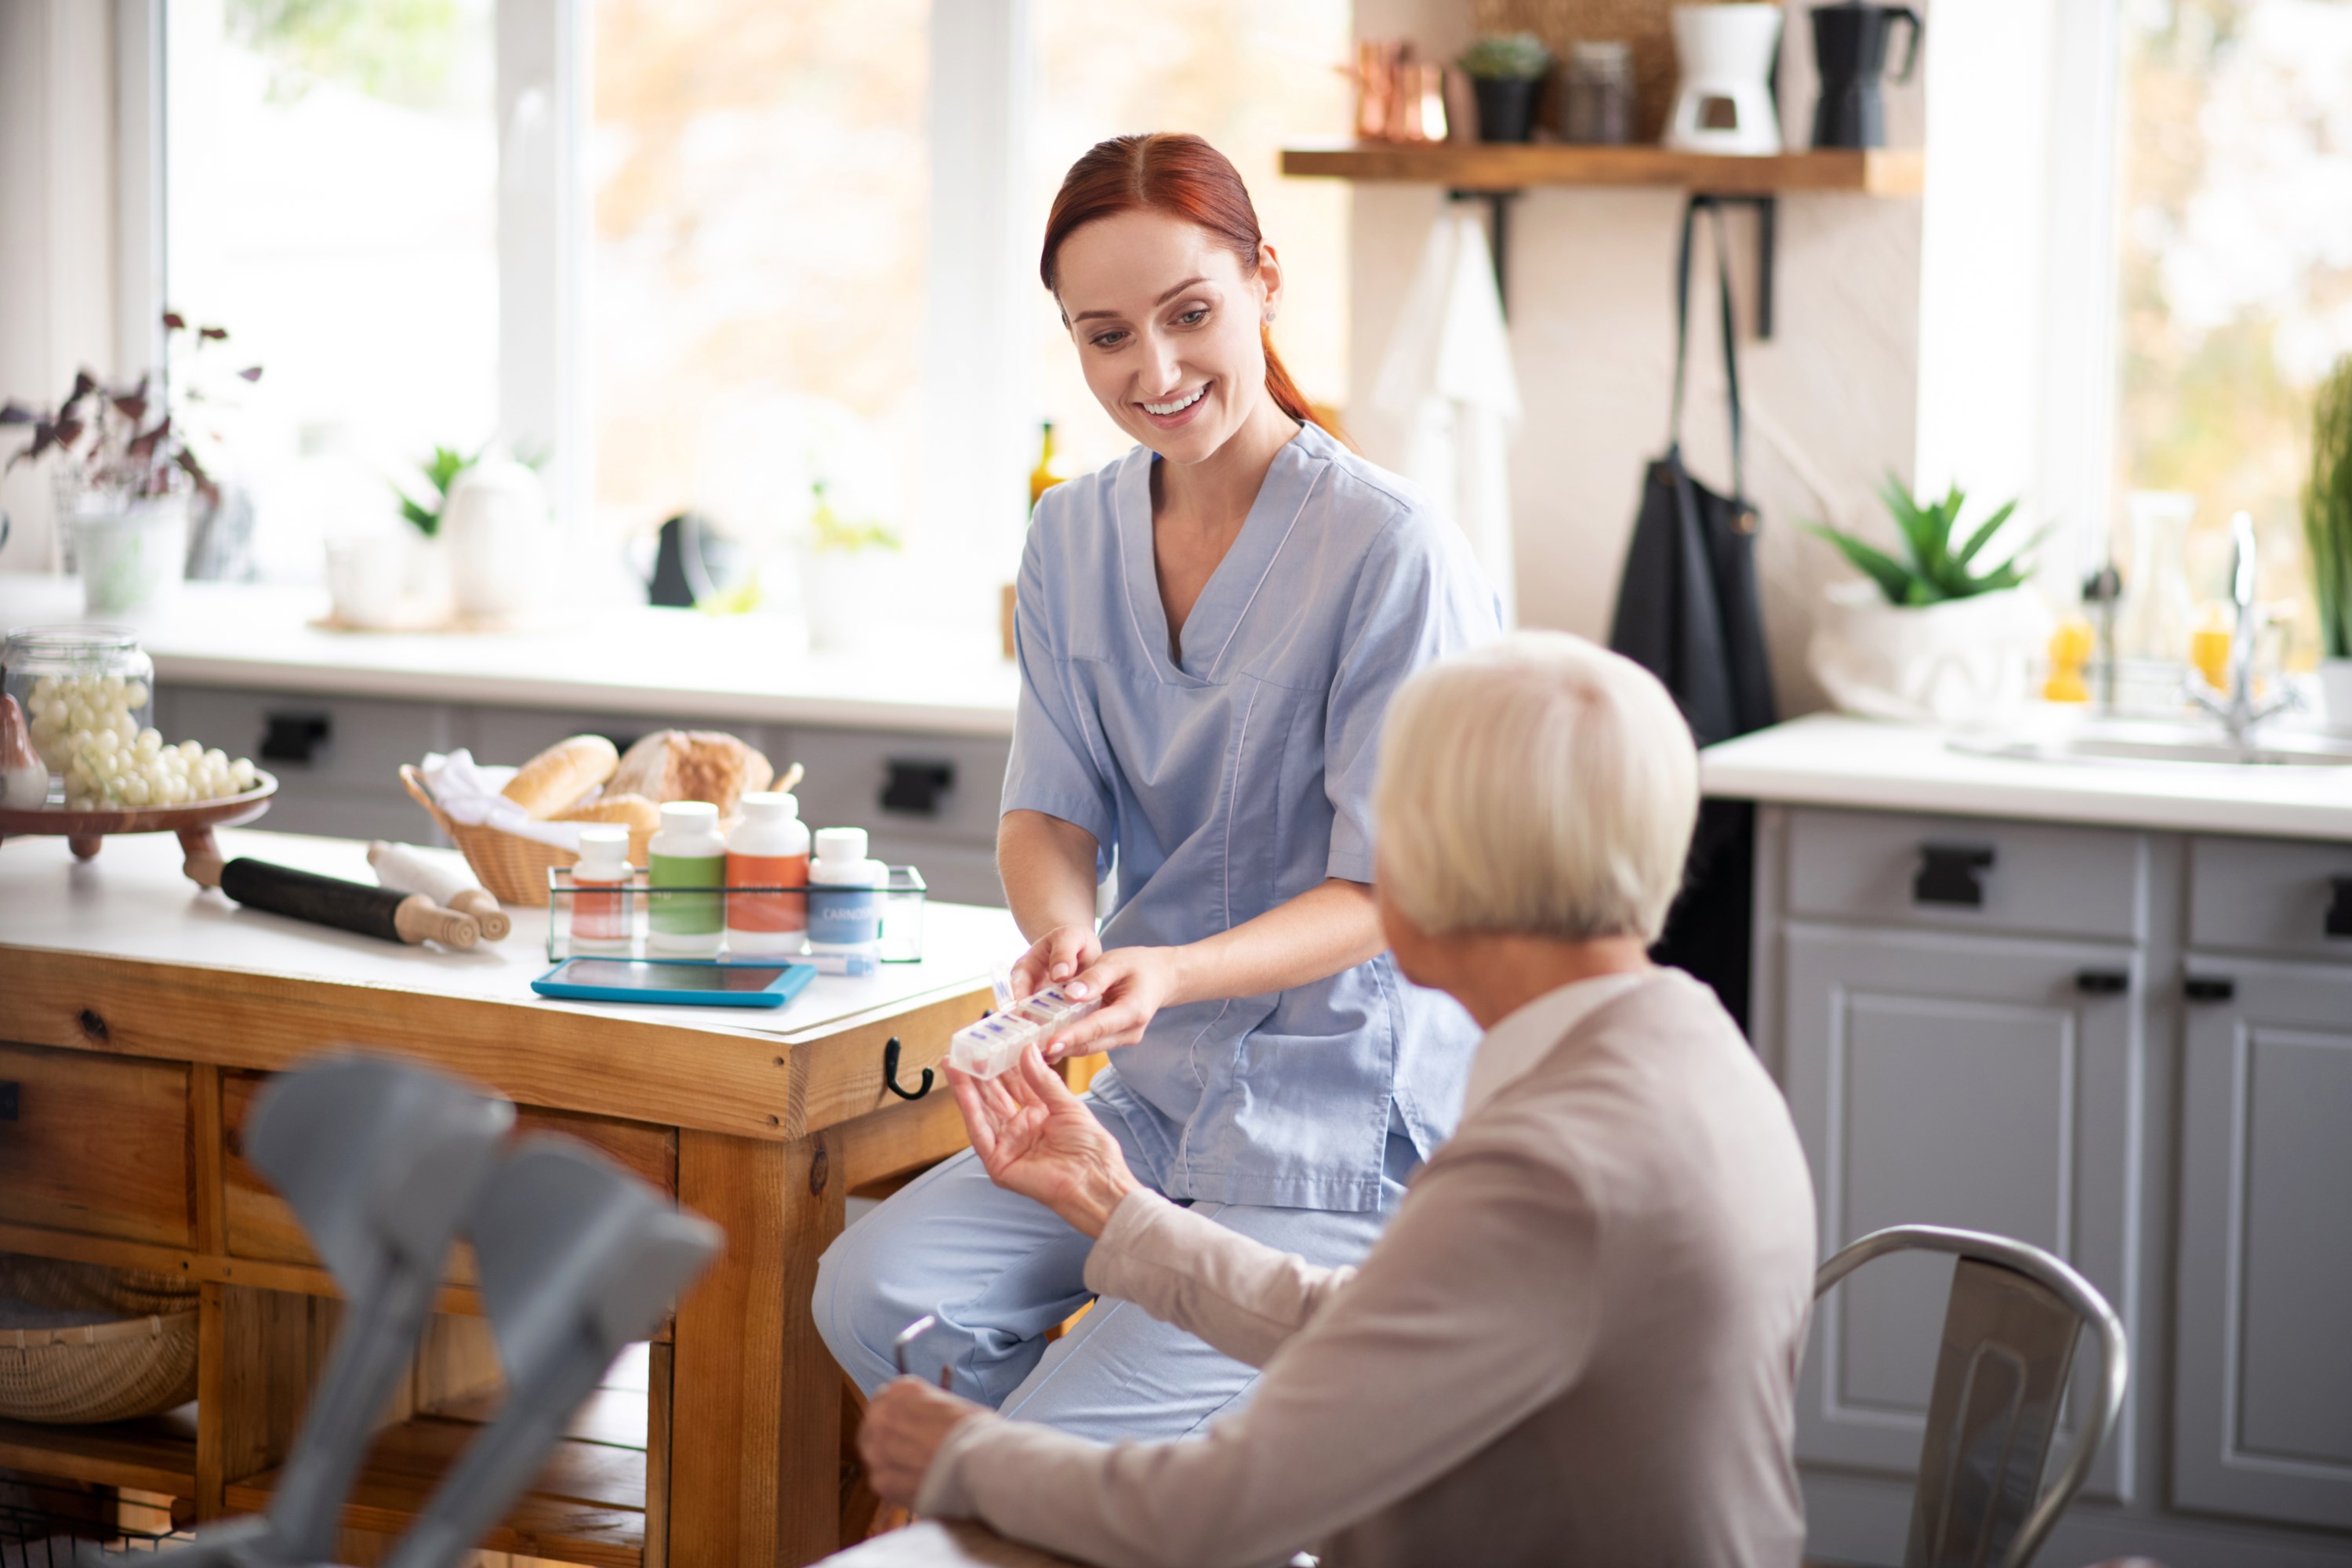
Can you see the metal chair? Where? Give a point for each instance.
(578, 1259)
(2010, 1325)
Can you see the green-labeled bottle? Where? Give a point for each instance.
(689, 852)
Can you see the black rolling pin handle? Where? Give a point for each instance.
(348, 906)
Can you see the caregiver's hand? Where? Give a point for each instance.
(1057, 955)
(1134, 983)
(901, 1434)
(1036, 1138)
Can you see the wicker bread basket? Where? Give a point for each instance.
(82, 1344)
(512, 868)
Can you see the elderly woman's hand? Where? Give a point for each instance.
(901, 1434)
(1036, 1138)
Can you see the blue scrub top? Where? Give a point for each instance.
(1238, 779)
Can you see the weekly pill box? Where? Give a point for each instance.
(987, 1048)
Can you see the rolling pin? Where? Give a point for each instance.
(408, 869)
(382, 912)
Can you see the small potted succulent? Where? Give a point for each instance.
(2327, 534)
(1934, 634)
(126, 472)
(1506, 72)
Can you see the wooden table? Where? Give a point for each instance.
(931, 1543)
(137, 1014)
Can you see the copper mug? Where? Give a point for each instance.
(1398, 99)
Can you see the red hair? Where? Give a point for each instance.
(1184, 177)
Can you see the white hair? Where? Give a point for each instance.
(1540, 784)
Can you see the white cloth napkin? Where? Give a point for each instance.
(468, 792)
(1448, 379)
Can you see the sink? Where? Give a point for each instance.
(2165, 745)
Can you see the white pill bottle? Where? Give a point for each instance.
(844, 901)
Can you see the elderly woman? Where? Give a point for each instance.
(1577, 1338)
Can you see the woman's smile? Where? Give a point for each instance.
(1178, 410)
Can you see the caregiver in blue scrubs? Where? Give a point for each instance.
(1209, 631)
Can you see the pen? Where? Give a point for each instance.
(835, 962)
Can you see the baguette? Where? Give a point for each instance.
(560, 775)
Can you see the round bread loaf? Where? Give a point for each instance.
(692, 764)
(552, 781)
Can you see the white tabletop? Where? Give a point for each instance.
(635, 660)
(1832, 760)
(132, 901)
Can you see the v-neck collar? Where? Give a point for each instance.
(1226, 599)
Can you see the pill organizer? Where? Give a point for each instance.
(987, 1048)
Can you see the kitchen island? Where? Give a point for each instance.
(137, 1015)
(2105, 1008)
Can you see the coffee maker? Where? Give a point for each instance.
(1850, 47)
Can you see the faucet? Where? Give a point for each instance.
(2236, 708)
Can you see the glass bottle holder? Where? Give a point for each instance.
(630, 907)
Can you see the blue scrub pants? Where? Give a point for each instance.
(999, 1271)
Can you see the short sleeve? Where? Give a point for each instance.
(1419, 597)
(1055, 767)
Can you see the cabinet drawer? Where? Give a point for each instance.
(2271, 896)
(1970, 873)
(260, 1225)
(312, 743)
(98, 1144)
(903, 788)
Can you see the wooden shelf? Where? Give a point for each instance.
(155, 1454)
(1513, 166)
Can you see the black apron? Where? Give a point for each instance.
(1688, 611)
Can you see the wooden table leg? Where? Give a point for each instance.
(755, 1410)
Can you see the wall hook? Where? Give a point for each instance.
(890, 1074)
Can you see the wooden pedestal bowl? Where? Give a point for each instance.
(84, 831)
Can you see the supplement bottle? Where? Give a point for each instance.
(688, 853)
(768, 848)
(845, 904)
(601, 899)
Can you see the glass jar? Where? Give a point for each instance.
(1600, 93)
(76, 685)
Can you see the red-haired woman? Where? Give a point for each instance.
(1209, 631)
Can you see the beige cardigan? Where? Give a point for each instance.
(1576, 1343)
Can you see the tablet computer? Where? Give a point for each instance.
(690, 982)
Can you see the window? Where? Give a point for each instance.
(332, 203)
(2234, 231)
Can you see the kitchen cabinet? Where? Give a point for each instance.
(2131, 1047)
(2262, 1376)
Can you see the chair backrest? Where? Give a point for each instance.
(578, 1259)
(2011, 1326)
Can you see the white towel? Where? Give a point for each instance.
(469, 793)
(1447, 379)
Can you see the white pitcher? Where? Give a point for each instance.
(499, 543)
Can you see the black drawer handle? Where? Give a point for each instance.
(2339, 907)
(296, 738)
(1949, 874)
(7, 1102)
(2102, 982)
(2208, 988)
(915, 787)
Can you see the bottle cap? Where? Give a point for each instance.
(604, 852)
(770, 805)
(840, 844)
(689, 813)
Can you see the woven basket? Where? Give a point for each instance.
(512, 868)
(65, 1359)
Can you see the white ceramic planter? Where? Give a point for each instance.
(2335, 693)
(495, 529)
(847, 593)
(1965, 663)
(130, 554)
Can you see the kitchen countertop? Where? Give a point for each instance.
(1833, 760)
(133, 903)
(636, 660)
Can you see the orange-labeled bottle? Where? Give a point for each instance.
(769, 849)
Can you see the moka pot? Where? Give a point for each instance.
(1850, 48)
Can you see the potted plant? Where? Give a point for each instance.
(1506, 72)
(126, 472)
(2327, 532)
(848, 574)
(1934, 634)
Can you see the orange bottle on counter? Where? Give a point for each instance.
(768, 848)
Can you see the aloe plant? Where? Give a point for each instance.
(2328, 509)
(1937, 564)
(1506, 56)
